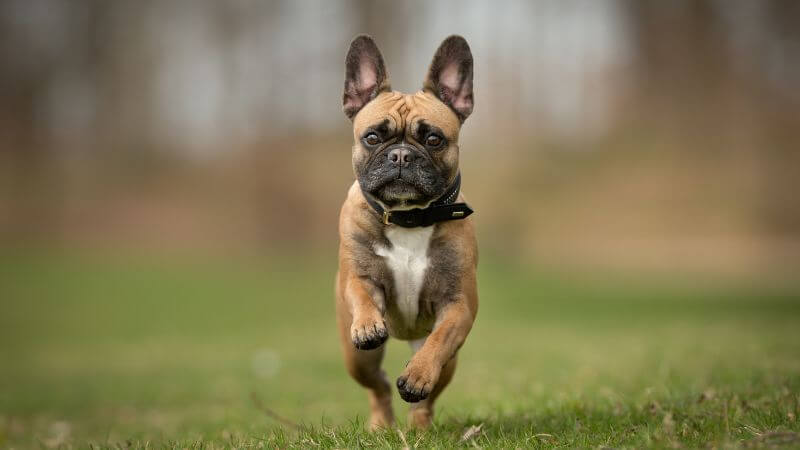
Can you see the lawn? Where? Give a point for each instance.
(142, 352)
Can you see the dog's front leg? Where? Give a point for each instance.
(359, 308)
(422, 373)
(366, 305)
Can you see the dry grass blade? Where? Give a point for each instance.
(774, 439)
(272, 414)
(755, 431)
(403, 438)
(471, 432)
(707, 395)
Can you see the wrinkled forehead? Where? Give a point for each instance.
(405, 111)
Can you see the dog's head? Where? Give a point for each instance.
(406, 145)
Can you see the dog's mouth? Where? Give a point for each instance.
(409, 186)
(396, 187)
(400, 189)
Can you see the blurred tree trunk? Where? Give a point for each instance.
(24, 79)
(692, 81)
(781, 158)
(681, 59)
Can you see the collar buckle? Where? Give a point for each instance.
(386, 216)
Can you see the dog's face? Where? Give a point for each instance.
(406, 145)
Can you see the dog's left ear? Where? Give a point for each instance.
(450, 76)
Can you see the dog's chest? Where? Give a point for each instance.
(407, 259)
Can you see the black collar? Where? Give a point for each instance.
(439, 211)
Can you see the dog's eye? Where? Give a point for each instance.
(433, 140)
(372, 139)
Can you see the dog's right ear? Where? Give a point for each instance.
(364, 75)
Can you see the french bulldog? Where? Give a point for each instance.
(407, 253)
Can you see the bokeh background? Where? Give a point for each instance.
(176, 169)
(636, 134)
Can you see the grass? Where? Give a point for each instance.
(135, 352)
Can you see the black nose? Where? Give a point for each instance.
(400, 156)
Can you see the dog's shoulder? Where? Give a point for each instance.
(359, 228)
(355, 215)
(458, 236)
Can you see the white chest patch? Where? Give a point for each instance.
(408, 260)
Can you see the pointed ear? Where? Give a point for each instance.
(450, 76)
(364, 75)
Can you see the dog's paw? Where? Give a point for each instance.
(368, 334)
(417, 381)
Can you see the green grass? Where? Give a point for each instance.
(115, 351)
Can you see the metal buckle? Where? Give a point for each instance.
(386, 216)
(457, 214)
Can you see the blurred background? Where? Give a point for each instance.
(632, 134)
(171, 174)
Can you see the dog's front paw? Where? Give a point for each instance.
(368, 334)
(417, 381)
